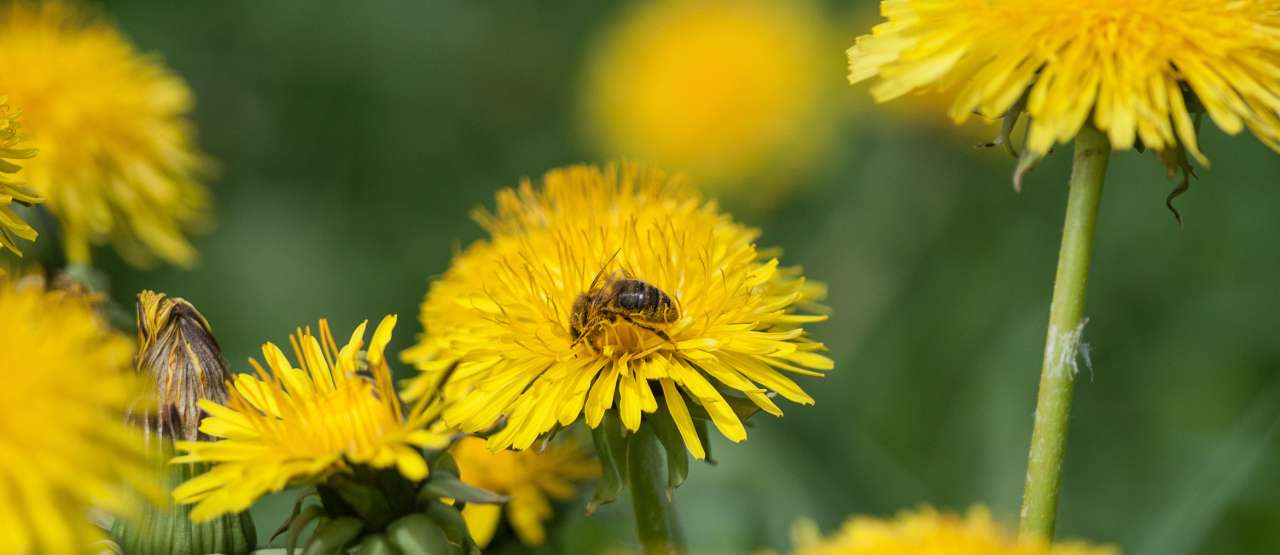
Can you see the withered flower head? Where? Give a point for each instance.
(176, 347)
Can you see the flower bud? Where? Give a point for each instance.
(177, 350)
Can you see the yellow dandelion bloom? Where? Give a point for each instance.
(530, 479)
(299, 425)
(117, 161)
(725, 90)
(11, 189)
(1136, 69)
(505, 312)
(64, 446)
(928, 532)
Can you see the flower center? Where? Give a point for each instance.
(620, 337)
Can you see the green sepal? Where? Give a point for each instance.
(419, 535)
(332, 537)
(293, 514)
(364, 499)
(673, 444)
(450, 486)
(1027, 161)
(445, 464)
(375, 496)
(742, 407)
(377, 544)
(451, 521)
(298, 523)
(1007, 123)
(611, 450)
(1176, 162)
(703, 429)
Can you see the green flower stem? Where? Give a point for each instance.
(655, 517)
(1066, 324)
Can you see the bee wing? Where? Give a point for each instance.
(596, 280)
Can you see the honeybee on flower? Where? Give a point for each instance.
(615, 290)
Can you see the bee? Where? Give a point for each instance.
(620, 296)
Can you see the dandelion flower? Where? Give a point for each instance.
(1137, 70)
(64, 446)
(725, 90)
(928, 532)
(503, 313)
(298, 425)
(11, 189)
(530, 479)
(117, 161)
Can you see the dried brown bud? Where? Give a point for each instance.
(177, 349)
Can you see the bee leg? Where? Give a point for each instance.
(591, 344)
(594, 337)
(661, 334)
(585, 339)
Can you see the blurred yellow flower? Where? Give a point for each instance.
(530, 479)
(117, 161)
(1137, 69)
(503, 312)
(64, 446)
(928, 532)
(11, 189)
(725, 90)
(300, 425)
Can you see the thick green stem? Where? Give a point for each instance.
(1066, 325)
(655, 517)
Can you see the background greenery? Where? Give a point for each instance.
(354, 139)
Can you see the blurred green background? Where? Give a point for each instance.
(354, 138)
